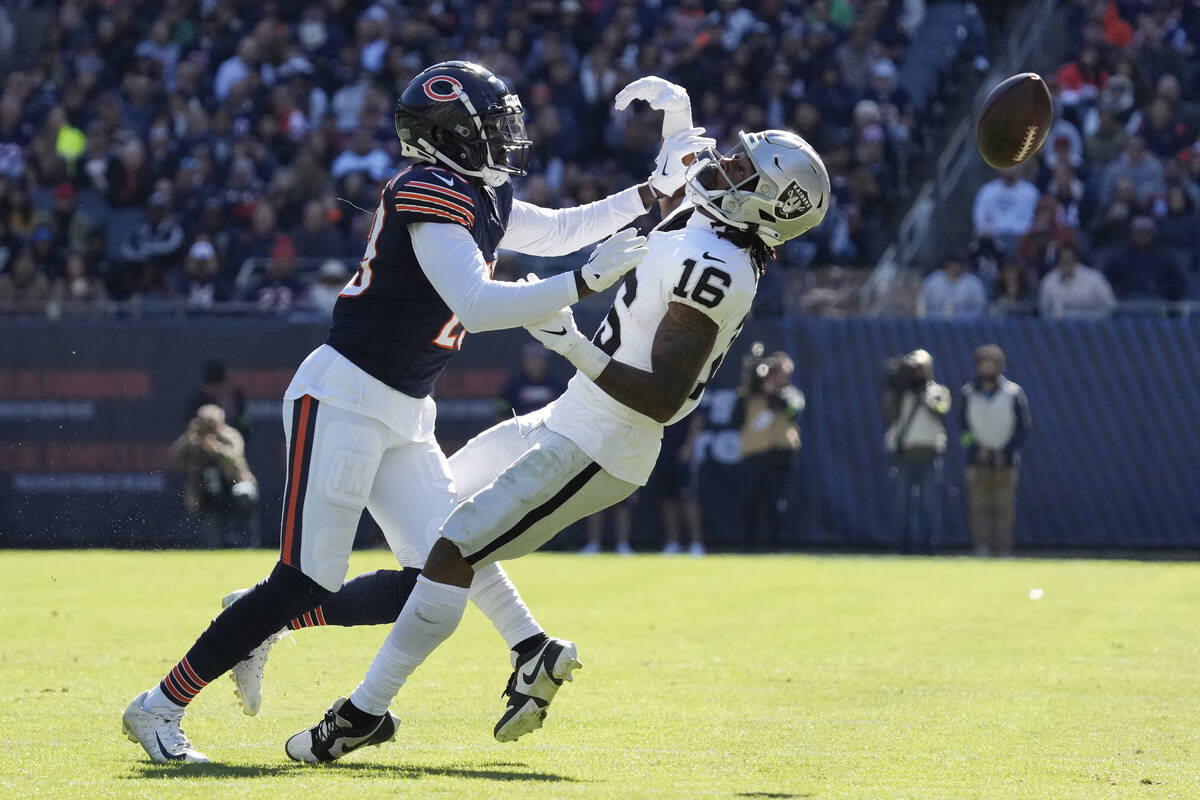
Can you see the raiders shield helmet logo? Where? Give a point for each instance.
(793, 203)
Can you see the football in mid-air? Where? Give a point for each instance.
(1014, 120)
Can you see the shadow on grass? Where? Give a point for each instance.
(770, 794)
(499, 771)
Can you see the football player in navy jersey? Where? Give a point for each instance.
(358, 416)
(669, 328)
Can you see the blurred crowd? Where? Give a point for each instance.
(192, 152)
(1108, 211)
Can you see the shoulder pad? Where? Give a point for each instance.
(435, 195)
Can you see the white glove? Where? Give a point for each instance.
(612, 258)
(559, 333)
(669, 167)
(663, 96)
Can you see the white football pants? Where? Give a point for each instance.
(340, 462)
(537, 483)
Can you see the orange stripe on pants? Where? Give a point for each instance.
(297, 468)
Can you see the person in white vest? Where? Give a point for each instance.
(915, 409)
(995, 423)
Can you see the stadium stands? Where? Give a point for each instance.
(255, 127)
(1117, 177)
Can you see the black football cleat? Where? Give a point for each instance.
(334, 736)
(533, 684)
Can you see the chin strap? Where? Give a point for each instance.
(493, 177)
(489, 175)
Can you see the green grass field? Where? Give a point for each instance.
(821, 677)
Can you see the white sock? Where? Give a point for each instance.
(156, 698)
(494, 594)
(429, 616)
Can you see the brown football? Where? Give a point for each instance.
(1014, 120)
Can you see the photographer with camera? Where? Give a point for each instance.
(220, 492)
(768, 405)
(915, 409)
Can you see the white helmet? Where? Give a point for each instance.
(790, 196)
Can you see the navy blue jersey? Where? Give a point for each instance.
(389, 320)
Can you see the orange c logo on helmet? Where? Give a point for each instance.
(435, 92)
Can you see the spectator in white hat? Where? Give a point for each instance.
(201, 285)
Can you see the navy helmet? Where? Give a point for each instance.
(461, 115)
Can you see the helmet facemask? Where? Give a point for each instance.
(507, 145)
(710, 186)
(787, 198)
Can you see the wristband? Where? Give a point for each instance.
(587, 358)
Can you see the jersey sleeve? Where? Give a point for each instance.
(430, 194)
(553, 232)
(720, 286)
(455, 268)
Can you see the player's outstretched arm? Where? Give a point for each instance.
(682, 343)
(558, 231)
(451, 261)
(550, 232)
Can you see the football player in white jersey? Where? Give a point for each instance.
(669, 328)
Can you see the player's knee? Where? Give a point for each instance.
(446, 564)
(289, 589)
(328, 567)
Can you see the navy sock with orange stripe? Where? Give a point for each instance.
(373, 598)
(285, 594)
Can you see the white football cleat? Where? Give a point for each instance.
(159, 733)
(590, 549)
(335, 736)
(697, 549)
(247, 674)
(672, 549)
(533, 684)
(623, 549)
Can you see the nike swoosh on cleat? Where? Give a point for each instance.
(561, 332)
(163, 749)
(341, 745)
(449, 182)
(540, 662)
(346, 745)
(533, 672)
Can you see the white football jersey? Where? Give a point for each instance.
(693, 266)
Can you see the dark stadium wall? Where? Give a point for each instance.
(88, 411)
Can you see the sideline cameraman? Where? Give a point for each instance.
(915, 409)
(220, 492)
(766, 415)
